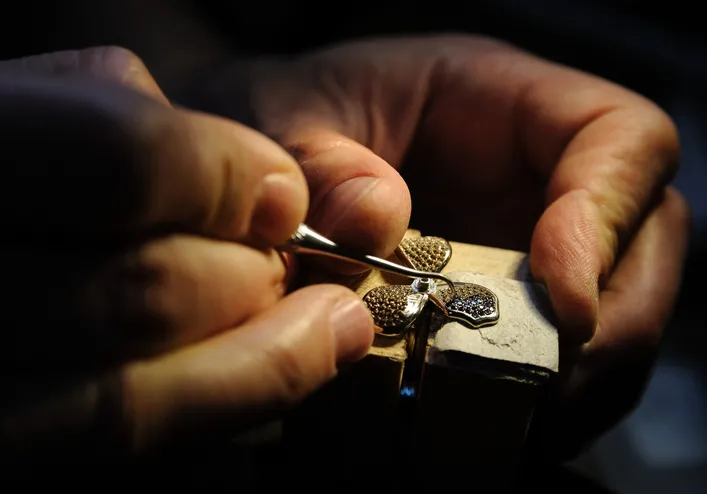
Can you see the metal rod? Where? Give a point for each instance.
(307, 241)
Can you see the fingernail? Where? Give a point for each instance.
(281, 200)
(352, 326)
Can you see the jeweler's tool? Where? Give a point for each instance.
(307, 241)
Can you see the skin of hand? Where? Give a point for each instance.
(484, 143)
(150, 230)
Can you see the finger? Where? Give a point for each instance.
(606, 379)
(598, 194)
(166, 294)
(90, 159)
(637, 301)
(111, 63)
(639, 297)
(605, 153)
(195, 288)
(357, 198)
(621, 152)
(230, 381)
(267, 365)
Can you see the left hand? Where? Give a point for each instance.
(139, 313)
(500, 148)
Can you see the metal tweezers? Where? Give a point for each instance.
(307, 241)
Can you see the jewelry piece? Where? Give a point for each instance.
(307, 241)
(474, 304)
(395, 308)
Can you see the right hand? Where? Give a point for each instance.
(143, 298)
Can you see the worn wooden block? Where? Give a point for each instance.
(479, 387)
(472, 396)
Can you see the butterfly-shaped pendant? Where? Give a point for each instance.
(395, 308)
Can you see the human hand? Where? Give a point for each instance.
(143, 297)
(499, 148)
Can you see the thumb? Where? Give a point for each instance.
(357, 196)
(568, 256)
(247, 376)
(222, 386)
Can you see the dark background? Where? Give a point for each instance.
(659, 51)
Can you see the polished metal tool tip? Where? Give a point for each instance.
(307, 241)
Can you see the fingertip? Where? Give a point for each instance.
(576, 307)
(246, 186)
(122, 65)
(367, 213)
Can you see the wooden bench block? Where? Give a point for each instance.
(476, 389)
(479, 387)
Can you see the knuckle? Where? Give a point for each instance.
(101, 61)
(113, 61)
(114, 53)
(122, 66)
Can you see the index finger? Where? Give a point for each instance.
(87, 158)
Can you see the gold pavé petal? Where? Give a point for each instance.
(425, 253)
(394, 307)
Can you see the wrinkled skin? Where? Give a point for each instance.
(501, 148)
(141, 313)
(150, 333)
